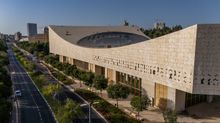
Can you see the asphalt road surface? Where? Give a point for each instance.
(95, 117)
(31, 108)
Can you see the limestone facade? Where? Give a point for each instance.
(185, 61)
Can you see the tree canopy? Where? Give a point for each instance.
(100, 82)
(117, 91)
(140, 102)
(154, 33)
(5, 85)
(70, 111)
(170, 116)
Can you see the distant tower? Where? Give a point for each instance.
(31, 29)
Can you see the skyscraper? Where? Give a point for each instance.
(32, 29)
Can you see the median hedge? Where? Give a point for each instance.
(110, 112)
(62, 110)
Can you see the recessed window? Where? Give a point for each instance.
(209, 81)
(202, 81)
(170, 76)
(154, 72)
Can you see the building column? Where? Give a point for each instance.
(175, 99)
(171, 98)
(71, 61)
(91, 67)
(61, 58)
(114, 76)
(148, 88)
(180, 100)
(106, 72)
(209, 98)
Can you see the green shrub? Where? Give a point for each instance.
(5, 108)
(110, 112)
(170, 116)
(5, 85)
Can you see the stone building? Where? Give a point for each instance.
(176, 70)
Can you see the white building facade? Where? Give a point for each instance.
(176, 70)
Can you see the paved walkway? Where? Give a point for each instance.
(201, 113)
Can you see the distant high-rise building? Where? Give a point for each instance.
(43, 37)
(159, 25)
(31, 29)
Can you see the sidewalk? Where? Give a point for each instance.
(154, 115)
(198, 113)
(201, 113)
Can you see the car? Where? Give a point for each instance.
(17, 93)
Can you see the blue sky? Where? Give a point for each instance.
(14, 14)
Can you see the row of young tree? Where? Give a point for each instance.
(39, 49)
(5, 85)
(99, 82)
(64, 108)
(156, 32)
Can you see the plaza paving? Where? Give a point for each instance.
(201, 113)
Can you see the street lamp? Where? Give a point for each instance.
(90, 104)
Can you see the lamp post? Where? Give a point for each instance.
(90, 104)
(90, 111)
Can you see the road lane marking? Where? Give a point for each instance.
(38, 110)
(33, 100)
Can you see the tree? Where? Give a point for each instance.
(153, 33)
(126, 23)
(3, 58)
(81, 76)
(70, 111)
(5, 108)
(117, 91)
(40, 79)
(170, 116)
(52, 89)
(145, 101)
(5, 91)
(30, 66)
(140, 102)
(177, 27)
(100, 82)
(88, 78)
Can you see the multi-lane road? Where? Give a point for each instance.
(31, 106)
(95, 117)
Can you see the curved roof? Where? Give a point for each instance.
(100, 36)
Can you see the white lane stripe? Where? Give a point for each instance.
(38, 89)
(17, 111)
(38, 110)
(13, 88)
(37, 107)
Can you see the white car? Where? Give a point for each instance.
(17, 93)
